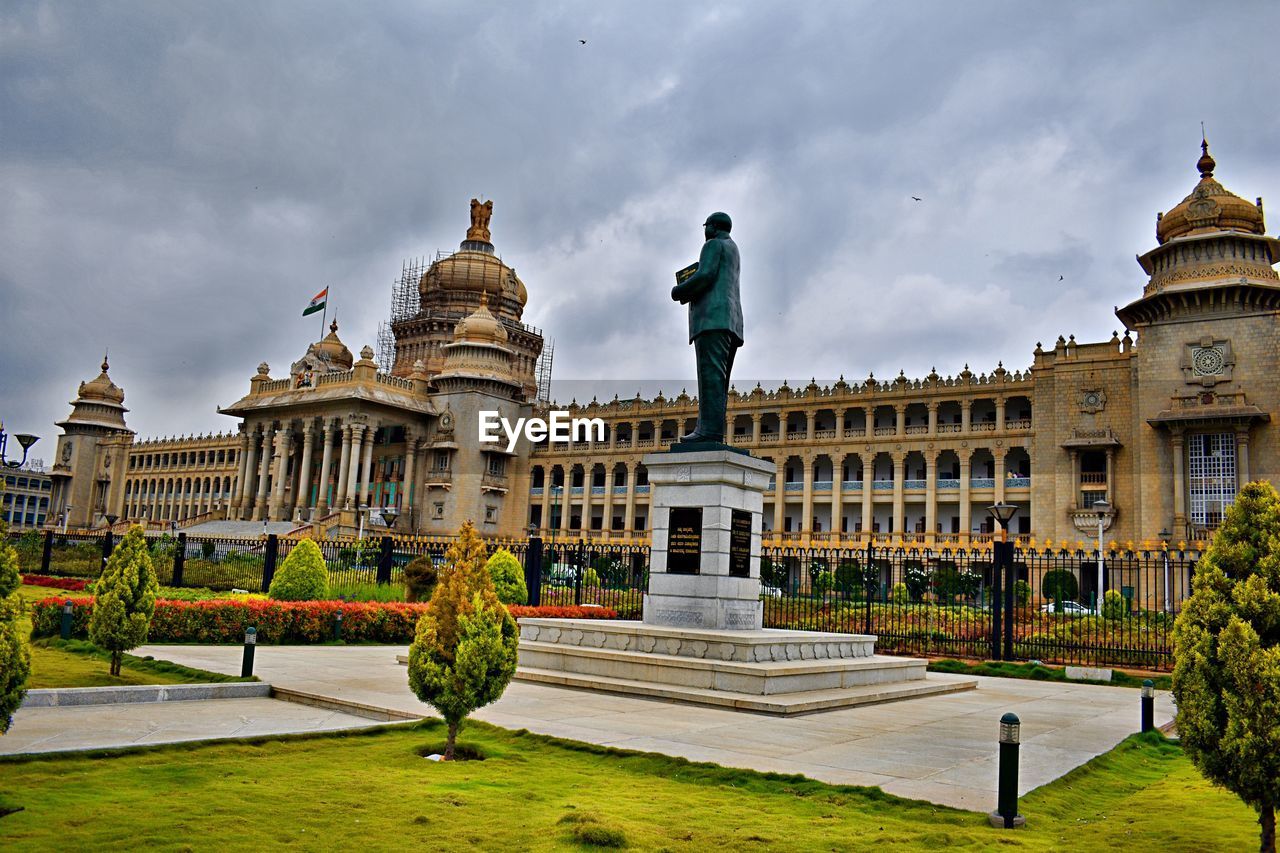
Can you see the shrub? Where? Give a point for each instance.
(1021, 593)
(824, 582)
(508, 577)
(900, 594)
(591, 577)
(71, 584)
(1226, 648)
(420, 578)
(125, 598)
(848, 577)
(207, 549)
(1114, 605)
(1060, 585)
(916, 578)
(464, 650)
(15, 657)
(773, 574)
(302, 576)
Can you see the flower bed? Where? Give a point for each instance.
(225, 621)
(71, 584)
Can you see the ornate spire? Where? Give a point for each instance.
(1206, 163)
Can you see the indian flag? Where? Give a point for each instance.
(317, 302)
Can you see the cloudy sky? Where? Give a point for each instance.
(179, 178)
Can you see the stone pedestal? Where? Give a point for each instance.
(703, 574)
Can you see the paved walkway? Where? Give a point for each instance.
(942, 749)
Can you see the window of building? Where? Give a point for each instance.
(1211, 476)
(440, 461)
(497, 465)
(490, 515)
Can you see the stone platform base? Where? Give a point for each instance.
(769, 671)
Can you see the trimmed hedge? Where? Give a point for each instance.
(299, 622)
(70, 584)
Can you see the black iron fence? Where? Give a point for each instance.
(998, 602)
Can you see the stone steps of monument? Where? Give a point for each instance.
(762, 677)
(801, 702)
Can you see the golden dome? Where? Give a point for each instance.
(473, 270)
(1209, 207)
(480, 326)
(333, 350)
(102, 388)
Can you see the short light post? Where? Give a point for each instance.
(1002, 564)
(250, 643)
(337, 625)
(1148, 705)
(1102, 508)
(68, 615)
(111, 521)
(362, 510)
(390, 515)
(1164, 549)
(66, 516)
(1006, 814)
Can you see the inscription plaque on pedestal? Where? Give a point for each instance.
(684, 540)
(740, 544)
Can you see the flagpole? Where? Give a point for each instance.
(324, 315)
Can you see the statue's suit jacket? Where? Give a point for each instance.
(712, 291)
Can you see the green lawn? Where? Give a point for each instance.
(374, 791)
(75, 663)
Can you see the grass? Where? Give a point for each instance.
(1040, 672)
(76, 663)
(374, 790)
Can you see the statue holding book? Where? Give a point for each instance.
(710, 289)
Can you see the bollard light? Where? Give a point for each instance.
(250, 643)
(337, 626)
(1006, 814)
(68, 615)
(1148, 705)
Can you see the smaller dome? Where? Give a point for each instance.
(102, 388)
(1209, 207)
(480, 326)
(333, 350)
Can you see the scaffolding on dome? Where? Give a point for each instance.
(405, 302)
(386, 348)
(542, 372)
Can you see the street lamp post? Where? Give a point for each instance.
(66, 517)
(362, 511)
(1101, 508)
(25, 439)
(1002, 561)
(1164, 548)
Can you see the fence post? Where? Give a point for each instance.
(869, 586)
(385, 559)
(46, 558)
(179, 559)
(580, 570)
(270, 552)
(1009, 583)
(533, 570)
(108, 545)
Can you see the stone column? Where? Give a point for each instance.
(613, 436)
(584, 510)
(545, 524)
(344, 469)
(756, 418)
(966, 415)
(606, 513)
(302, 500)
(1075, 479)
(933, 417)
(966, 520)
(899, 501)
(870, 420)
(1000, 414)
(1179, 485)
(326, 464)
(779, 492)
(264, 473)
(1111, 455)
(1242, 457)
(237, 496)
(868, 513)
(247, 481)
(931, 486)
(998, 454)
(837, 484)
(806, 501)
(284, 439)
(353, 467)
(406, 485)
(900, 419)
(366, 489)
(812, 417)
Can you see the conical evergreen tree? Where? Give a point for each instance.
(124, 598)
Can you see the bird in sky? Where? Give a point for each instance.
(582, 41)
(1059, 278)
(913, 198)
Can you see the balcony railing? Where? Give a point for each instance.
(822, 485)
(1018, 483)
(886, 431)
(1020, 423)
(619, 490)
(575, 490)
(796, 435)
(597, 490)
(982, 482)
(854, 432)
(914, 484)
(945, 483)
(642, 490)
(825, 433)
(768, 438)
(950, 427)
(851, 485)
(793, 487)
(882, 486)
(535, 491)
(917, 429)
(1093, 478)
(982, 426)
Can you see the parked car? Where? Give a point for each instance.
(1069, 608)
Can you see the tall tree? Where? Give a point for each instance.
(1226, 677)
(15, 657)
(124, 598)
(464, 649)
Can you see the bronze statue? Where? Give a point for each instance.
(715, 324)
(480, 214)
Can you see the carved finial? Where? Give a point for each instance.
(484, 299)
(1206, 163)
(105, 366)
(263, 369)
(366, 353)
(480, 214)
(333, 327)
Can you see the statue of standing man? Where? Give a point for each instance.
(715, 324)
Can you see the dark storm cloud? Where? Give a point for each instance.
(182, 177)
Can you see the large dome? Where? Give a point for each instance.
(333, 350)
(1210, 207)
(102, 389)
(480, 326)
(475, 270)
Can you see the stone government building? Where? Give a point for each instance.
(1165, 422)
